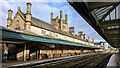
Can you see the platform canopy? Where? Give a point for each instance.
(104, 17)
(23, 37)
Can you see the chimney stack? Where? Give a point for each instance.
(66, 22)
(61, 22)
(80, 34)
(93, 40)
(71, 30)
(28, 16)
(61, 14)
(29, 7)
(9, 19)
(66, 18)
(84, 37)
(51, 17)
(88, 39)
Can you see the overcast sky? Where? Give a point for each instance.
(42, 10)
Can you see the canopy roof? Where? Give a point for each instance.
(6, 33)
(104, 17)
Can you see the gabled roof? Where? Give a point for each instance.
(42, 24)
(20, 13)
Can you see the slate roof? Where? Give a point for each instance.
(42, 24)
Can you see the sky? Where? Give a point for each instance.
(42, 9)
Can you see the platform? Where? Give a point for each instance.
(25, 63)
(112, 62)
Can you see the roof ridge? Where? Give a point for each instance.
(36, 18)
(49, 27)
(41, 20)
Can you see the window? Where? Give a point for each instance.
(43, 32)
(50, 33)
(56, 35)
(47, 32)
(53, 34)
(17, 26)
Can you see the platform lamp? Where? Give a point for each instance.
(51, 46)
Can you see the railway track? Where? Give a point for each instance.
(91, 61)
(103, 63)
(62, 62)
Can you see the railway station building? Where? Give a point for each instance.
(29, 38)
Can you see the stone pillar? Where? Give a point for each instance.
(58, 53)
(24, 53)
(51, 53)
(9, 19)
(37, 54)
(40, 57)
(28, 16)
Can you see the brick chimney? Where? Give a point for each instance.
(9, 19)
(28, 16)
(71, 30)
